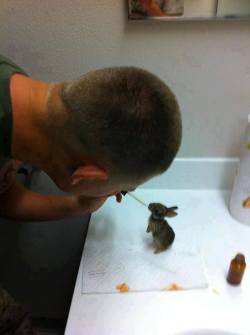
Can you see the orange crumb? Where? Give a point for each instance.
(172, 287)
(122, 287)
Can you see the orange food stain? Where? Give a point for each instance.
(123, 288)
(173, 287)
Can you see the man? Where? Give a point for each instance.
(109, 130)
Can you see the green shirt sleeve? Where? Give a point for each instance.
(7, 68)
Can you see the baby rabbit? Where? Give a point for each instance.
(163, 234)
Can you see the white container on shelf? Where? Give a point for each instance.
(232, 7)
(239, 206)
(200, 8)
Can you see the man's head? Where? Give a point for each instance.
(121, 126)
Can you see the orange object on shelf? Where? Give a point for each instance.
(151, 7)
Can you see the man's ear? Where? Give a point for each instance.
(87, 173)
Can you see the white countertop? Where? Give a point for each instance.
(220, 306)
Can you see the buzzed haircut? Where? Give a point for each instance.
(127, 116)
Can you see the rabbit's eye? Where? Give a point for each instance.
(158, 213)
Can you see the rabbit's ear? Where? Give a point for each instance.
(174, 208)
(171, 213)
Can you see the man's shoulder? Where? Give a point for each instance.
(8, 170)
(7, 68)
(8, 64)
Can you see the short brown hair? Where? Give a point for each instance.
(127, 115)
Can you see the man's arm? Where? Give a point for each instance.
(22, 204)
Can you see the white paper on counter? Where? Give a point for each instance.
(119, 250)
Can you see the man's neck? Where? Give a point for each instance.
(28, 98)
(31, 143)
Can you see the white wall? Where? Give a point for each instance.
(207, 64)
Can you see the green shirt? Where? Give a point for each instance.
(7, 68)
